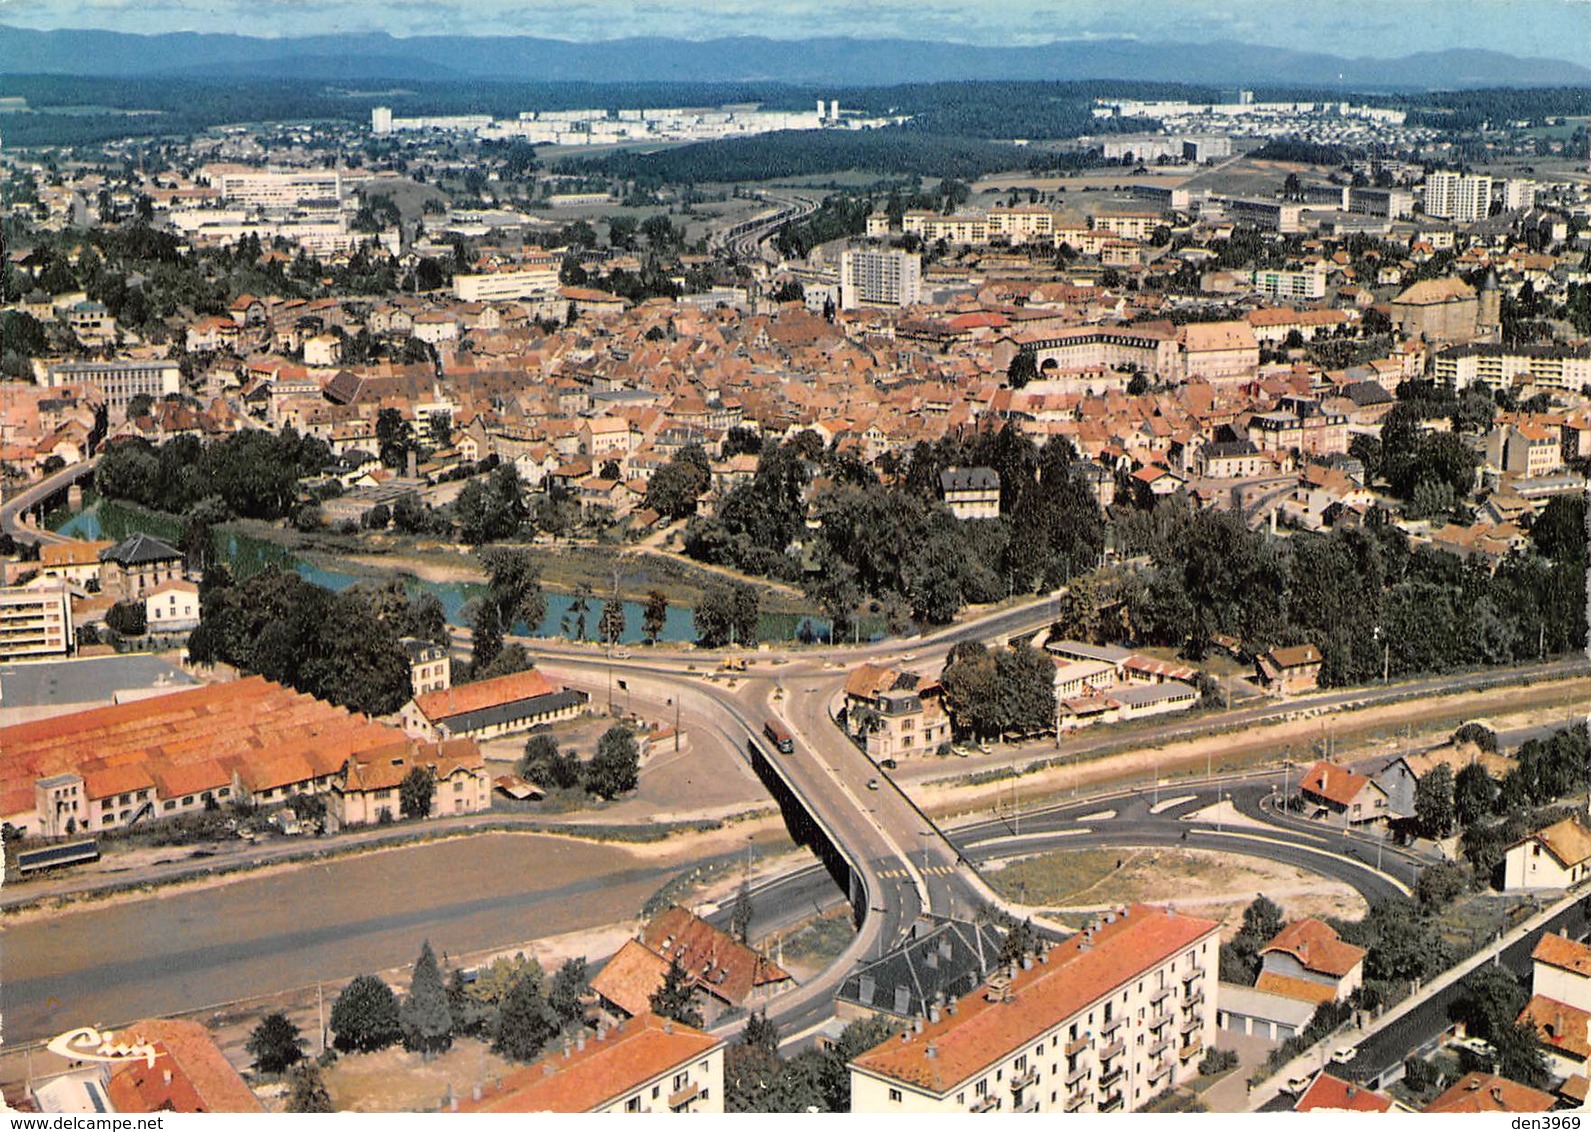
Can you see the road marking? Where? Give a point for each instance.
(1102, 815)
(1162, 807)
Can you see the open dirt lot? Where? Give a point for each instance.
(1088, 879)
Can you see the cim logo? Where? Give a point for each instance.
(87, 1044)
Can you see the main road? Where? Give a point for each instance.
(12, 509)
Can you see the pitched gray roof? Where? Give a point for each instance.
(138, 549)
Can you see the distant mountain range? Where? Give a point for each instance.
(807, 62)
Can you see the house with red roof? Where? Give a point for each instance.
(490, 709)
(1309, 952)
(187, 1073)
(1343, 796)
(372, 783)
(1327, 1093)
(1555, 857)
(1488, 1092)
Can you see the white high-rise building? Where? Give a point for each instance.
(1458, 197)
(890, 278)
(381, 120)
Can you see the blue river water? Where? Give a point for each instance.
(246, 555)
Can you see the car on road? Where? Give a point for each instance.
(1296, 1086)
(872, 784)
(888, 764)
(1342, 1055)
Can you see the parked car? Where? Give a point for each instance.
(1342, 1055)
(1296, 1086)
(872, 784)
(888, 764)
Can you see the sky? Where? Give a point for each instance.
(1353, 28)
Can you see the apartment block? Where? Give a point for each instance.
(880, 279)
(118, 381)
(647, 1064)
(36, 620)
(529, 281)
(1458, 197)
(274, 189)
(1307, 283)
(1118, 1013)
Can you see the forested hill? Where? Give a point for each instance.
(837, 60)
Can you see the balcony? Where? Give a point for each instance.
(990, 1103)
(1160, 1047)
(682, 1098)
(1160, 996)
(1193, 1000)
(1029, 1105)
(1190, 976)
(1158, 1070)
(1192, 1025)
(1078, 1046)
(1076, 1101)
(1112, 1050)
(1191, 1050)
(1110, 1027)
(1076, 1075)
(1031, 1077)
(1106, 1080)
(1112, 1103)
(1160, 1021)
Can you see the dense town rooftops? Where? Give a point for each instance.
(448, 703)
(1488, 1092)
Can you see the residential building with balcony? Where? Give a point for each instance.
(1117, 1014)
(36, 619)
(648, 1064)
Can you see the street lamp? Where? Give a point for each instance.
(675, 705)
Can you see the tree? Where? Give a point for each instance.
(308, 1090)
(525, 1021)
(1474, 792)
(673, 999)
(675, 487)
(127, 618)
(426, 1021)
(365, 1016)
(486, 629)
(1023, 369)
(740, 914)
(1020, 939)
(760, 1034)
(545, 765)
(1434, 812)
(416, 792)
(611, 625)
(615, 769)
(569, 987)
(275, 1044)
(654, 615)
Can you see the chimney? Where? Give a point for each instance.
(475, 1093)
(917, 1025)
(668, 1025)
(452, 1103)
(1497, 1093)
(567, 1046)
(933, 1012)
(602, 1031)
(167, 1077)
(950, 1007)
(931, 1051)
(580, 1041)
(1353, 1091)
(1027, 961)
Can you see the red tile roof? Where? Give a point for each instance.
(1561, 951)
(485, 694)
(724, 967)
(251, 726)
(1332, 1094)
(1487, 1092)
(1334, 783)
(1316, 947)
(629, 979)
(586, 1080)
(1074, 974)
(1566, 1029)
(189, 1074)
